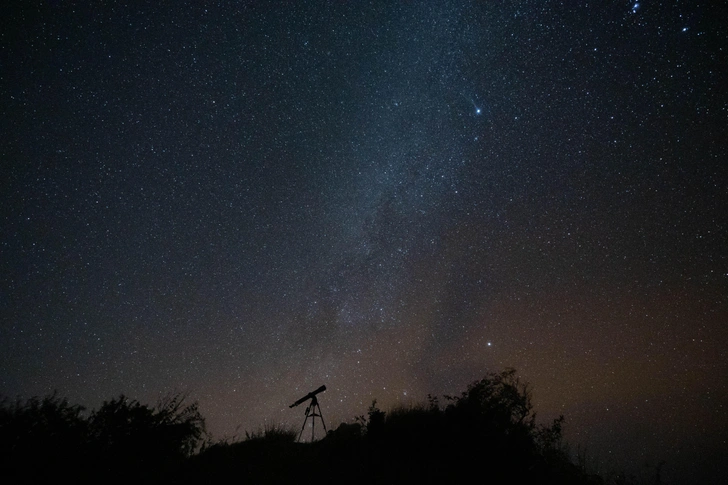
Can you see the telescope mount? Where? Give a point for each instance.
(313, 411)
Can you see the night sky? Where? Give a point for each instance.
(245, 201)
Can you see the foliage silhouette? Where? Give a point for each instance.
(45, 439)
(272, 433)
(40, 438)
(132, 439)
(488, 434)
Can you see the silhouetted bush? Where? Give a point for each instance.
(133, 439)
(487, 434)
(47, 439)
(40, 438)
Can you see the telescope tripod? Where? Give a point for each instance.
(311, 413)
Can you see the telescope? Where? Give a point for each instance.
(308, 396)
(311, 412)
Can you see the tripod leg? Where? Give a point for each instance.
(320, 414)
(308, 409)
(302, 427)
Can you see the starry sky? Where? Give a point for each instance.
(247, 200)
